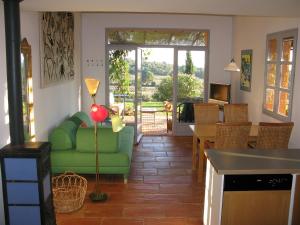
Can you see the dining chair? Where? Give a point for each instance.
(206, 113)
(236, 112)
(232, 135)
(274, 135)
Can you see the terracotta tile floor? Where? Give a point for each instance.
(162, 189)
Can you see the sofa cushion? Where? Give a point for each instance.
(108, 141)
(75, 120)
(68, 158)
(63, 136)
(84, 118)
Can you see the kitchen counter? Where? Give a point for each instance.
(255, 161)
(246, 187)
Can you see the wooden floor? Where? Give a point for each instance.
(162, 189)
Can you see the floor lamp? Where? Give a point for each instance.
(99, 113)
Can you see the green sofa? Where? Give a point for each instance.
(73, 147)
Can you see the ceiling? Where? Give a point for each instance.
(278, 8)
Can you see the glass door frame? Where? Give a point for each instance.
(183, 128)
(178, 129)
(138, 94)
(107, 80)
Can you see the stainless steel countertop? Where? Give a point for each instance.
(255, 161)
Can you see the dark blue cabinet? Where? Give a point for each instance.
(26, 182)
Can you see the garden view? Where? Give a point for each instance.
(157, 72)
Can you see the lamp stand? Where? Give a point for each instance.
(97, 196)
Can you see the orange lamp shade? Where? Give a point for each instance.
(98, 113)
(92, 85)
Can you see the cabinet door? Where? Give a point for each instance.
(21, 215)
(255, 207)
(21, 169)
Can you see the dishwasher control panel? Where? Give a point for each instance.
(257, 182)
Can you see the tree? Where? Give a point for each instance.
(189, 67)
(164, 89)
(188, 87)
(147, 76)
(119, 71)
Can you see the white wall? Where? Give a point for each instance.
(51, 104)
(93, 41)
(250, 33)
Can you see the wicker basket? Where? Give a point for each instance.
(69, 191)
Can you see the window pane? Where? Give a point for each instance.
(189, 38)
(269, 105)
(271, 75)
(122, 83)
(272, 53)
(157, 37)
(285, 76)
(126, 37)
(190, 83)
(283, 103)
(287, 49)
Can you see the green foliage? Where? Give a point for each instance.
(119, 71)
(189, 66)
(164, 89)
(147, 77)
(188, 87)
(157, 68)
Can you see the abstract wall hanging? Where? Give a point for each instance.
(57, 48)
(246, 70)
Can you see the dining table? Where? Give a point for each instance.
(203, 132)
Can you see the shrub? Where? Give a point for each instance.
(188, 87)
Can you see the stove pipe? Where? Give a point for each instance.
(13, 60)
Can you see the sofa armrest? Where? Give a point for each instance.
(126, 138)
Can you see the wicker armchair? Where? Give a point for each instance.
(274, 135)
(236, 113)
(232, 135)
(206, 113)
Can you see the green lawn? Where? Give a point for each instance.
(153, 104)
(147, 104)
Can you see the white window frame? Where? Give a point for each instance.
(280, 36)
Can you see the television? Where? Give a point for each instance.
(219, 92)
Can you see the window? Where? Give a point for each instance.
(279, 74)
(157, 37)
